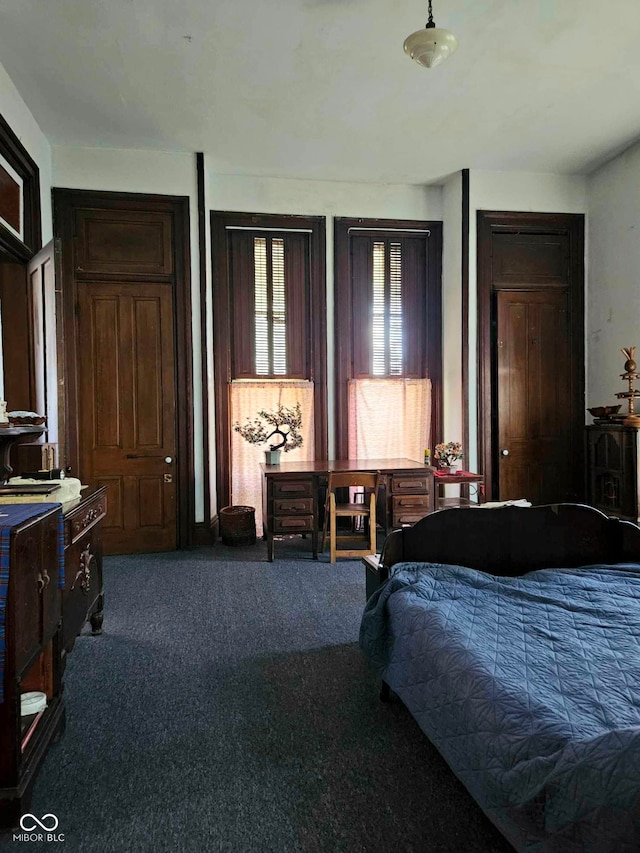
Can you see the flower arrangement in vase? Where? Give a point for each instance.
(447, 454)
(284, 422)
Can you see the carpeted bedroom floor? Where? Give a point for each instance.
(227, 707)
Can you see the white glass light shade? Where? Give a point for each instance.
(430, 46)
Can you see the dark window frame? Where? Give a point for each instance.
(223, 322)
(431, 366)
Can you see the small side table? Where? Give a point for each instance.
(375, 574)
(462, 478)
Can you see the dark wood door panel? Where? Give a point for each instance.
(123, 242)
(530, 259)
(534, 393)
(28, 616)
(129, 422)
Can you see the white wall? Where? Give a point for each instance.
(166, 173)
(613, 293)
(510, 191)
(249, 194)
(17, 115)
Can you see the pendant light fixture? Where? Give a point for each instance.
(430, 46)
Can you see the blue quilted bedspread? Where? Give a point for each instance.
(530, 689)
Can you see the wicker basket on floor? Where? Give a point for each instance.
(238, 525)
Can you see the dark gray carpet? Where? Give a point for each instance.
(227, 707)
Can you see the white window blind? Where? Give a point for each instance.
(270, 306)
(387, 336)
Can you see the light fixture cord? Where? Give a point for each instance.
(430, 23)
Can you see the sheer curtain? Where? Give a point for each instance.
(247, 398)
(389, 418)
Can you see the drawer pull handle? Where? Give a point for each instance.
(412, 484)
(43, 580)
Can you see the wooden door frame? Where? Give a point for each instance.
(343, 302)
(490, 223)
(223, 328)
(66, 202)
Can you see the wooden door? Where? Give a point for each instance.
(127, 367)
(127, 416)
(534, 396)
(531, 355)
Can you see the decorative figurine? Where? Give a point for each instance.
(4, 418)
(631, 376)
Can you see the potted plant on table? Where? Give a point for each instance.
(447, 454)
(280, 427)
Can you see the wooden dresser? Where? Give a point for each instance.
(42, 622)
(32, 655)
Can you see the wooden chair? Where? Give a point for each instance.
(367, 510)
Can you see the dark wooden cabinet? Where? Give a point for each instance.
(32, 651)
(42, 621)
(612, 470)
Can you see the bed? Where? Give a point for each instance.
(512, 635)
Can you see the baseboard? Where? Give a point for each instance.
(205, 535)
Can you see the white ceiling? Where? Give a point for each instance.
(322, 88)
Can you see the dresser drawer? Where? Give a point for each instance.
(292, 488)
(293, 506)
(420, 484)
(87, 515)
(299, 524)
(402, 503)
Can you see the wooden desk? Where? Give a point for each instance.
(292, 494)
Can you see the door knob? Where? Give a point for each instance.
(168, 460)
(504, 452)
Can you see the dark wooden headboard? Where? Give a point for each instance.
(513, 540)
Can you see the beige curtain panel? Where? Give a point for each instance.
(389, 418)
(247, 398)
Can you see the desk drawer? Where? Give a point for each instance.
(401, 503)
(299, 524)
(292, 488)
(293, 506)
(420, 484)
(409, 516)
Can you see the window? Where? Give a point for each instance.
(388, 363)
(270, 292)
(269, 338)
